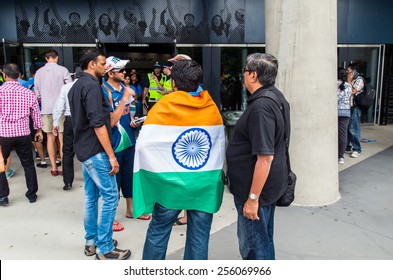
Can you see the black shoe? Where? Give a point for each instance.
(67, 187)
(116, 254)
(91, 250)
(4, 201)
(58, 163)
(42, 165)
(33, 199)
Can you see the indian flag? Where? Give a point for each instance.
(179, 155)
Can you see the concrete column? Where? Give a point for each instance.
(303, 37)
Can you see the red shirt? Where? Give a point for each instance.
(16, 105)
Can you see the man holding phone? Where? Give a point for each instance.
(15, 129)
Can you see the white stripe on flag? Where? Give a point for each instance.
(155, 142)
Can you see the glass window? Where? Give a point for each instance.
(232, 92)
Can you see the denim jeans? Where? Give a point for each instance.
(256, 236)
(160, 227)
(354, 130)
(98, 183)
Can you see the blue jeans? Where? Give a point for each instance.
(354, 130)
(256, 237)
(98, 183)
(160, 227)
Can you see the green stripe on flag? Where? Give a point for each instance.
(177, 190)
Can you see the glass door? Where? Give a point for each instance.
(369, 59)
(11, 52)
(233, 93)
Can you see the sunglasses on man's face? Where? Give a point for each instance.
(118, 70)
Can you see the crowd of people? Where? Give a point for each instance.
(51, 24)
(178, 152)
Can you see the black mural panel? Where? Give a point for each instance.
(132, 21)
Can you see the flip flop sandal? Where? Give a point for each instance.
(117, 226)
(143, 217)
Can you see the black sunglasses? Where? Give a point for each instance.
(118, 70)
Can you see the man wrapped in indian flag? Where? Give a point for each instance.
(178, 164)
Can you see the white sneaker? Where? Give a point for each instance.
(355, 154)
(341, 160)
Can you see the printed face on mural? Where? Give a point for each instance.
(123, 22)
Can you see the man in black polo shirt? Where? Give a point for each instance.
(92, 145)
(256, 159)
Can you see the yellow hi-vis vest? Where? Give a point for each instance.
(154, 90)
(168, 84)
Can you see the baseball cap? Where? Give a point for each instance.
(113, 62)
(157, 64)
(179, 57)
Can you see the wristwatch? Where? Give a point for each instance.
(253, 196)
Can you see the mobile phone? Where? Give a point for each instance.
(139, 120)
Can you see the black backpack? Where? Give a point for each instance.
(365, 99)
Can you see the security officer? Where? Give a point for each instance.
(168, 80)
(153, 86)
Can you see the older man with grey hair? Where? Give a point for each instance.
(256, 157)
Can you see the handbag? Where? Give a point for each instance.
(289, 194)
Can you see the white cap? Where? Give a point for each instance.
(179, 57)
(113, 62)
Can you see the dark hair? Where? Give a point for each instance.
(33, 69)
(88, 55)
(342, 75)
(265, 65)
(354, 67)
(25, 25)
(11, 70)
(78, 72)
(142, 24)
(187, 74)
(128, 13)
(74, 13)
(218, 30)
(184, 18)
(106, 29)
(51, 53)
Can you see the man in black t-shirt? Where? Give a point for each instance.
(92, 146)
(256, 159)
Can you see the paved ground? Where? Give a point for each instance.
(358, 226)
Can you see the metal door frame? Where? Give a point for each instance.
(379, 75)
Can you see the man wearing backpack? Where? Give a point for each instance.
(357, 82)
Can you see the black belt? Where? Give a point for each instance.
(68, 116)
